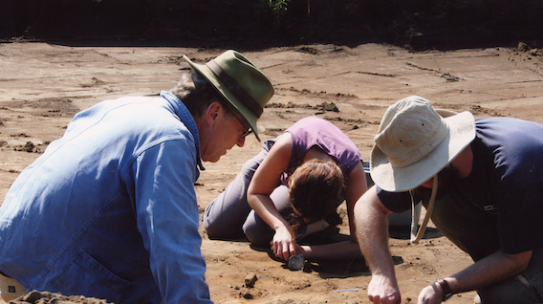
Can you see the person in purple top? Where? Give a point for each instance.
(292, 189)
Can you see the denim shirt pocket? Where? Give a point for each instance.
(86, 276)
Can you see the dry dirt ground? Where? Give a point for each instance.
(43, 85)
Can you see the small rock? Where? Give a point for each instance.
(250, 280)
(248, 295)
(296, 262)
(536, 52)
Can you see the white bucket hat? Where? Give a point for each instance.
(415, 142)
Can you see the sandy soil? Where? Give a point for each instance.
(43, 85)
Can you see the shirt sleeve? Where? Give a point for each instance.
(168, 220)
(394, 201)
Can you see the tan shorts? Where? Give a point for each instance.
(10, 289)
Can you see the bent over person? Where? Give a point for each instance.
(109, 210)
(291, 190)
(483, 179)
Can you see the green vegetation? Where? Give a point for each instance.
(274, 9)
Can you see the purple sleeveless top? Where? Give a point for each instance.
(313, 131)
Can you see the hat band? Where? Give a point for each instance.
(235, 88)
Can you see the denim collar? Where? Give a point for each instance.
(187, 119)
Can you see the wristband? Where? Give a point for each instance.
(447, 292)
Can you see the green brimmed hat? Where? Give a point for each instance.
(240, 82)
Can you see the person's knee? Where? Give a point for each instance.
(10, 289)
(257, 236)
(212, 230)
(257, 231)
(213, 226)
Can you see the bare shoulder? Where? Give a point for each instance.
(282, 146)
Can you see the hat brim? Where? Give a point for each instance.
(227, 94)
(392, 179)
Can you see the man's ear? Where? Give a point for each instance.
(212, 112)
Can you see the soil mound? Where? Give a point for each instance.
(44, 297)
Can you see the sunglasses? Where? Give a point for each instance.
(249, 131)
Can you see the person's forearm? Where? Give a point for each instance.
(373, 240)
(315, 227)
(263, 206)
(489, 271)
(371, 228)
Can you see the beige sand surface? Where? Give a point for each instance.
(42, 86)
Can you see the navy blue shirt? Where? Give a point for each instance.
(506, 181)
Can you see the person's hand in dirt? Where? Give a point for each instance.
(283, 244)
(430, 295)
(384, 290)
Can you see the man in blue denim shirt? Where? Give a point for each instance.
(109, 210)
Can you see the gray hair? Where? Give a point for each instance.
(197, 93)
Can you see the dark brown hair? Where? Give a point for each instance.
(315, 188)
